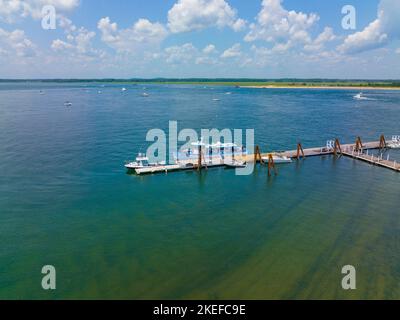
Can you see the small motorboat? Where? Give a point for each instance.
(236, 164)
(278, 158)
(216, 99)
(141, 162)
(144, 94)
(123, 89)
(41, 92)
(67, 103)
(395, 143)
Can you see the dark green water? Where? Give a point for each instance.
(66, 200)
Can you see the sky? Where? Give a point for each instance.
(200, 38)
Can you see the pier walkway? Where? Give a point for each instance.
(358, 151)
(372, 159)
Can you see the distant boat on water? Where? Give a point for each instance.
(359, 96)
(67, 103)
(216, 99)
(144, 94)
(123, 89)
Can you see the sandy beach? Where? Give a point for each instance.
(322, 87)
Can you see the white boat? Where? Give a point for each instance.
(144, 94)
(235, 164)
(67, 104)
(395, 143)
(278, 158)
(123, 89)
(215, 99)
(141, 162)
(360, 96)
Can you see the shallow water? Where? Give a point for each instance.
(66, 200)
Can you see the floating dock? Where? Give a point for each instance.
(357, 150)
(375, 160)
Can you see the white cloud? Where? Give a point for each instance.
(12, 10)
(78, 42)
(189, 54)
(378, 33)
(189, 15)
(277, 25)
(398, 51)
(318, 43)
(209, 49)
(15, 43)
(180, 54)
(232, 52)
(141, 35)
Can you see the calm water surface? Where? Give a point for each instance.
(66, 200)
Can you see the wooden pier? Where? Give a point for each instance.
(357, 150)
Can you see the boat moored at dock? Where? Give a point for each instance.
(278, 158)
(142, 161)
(395, 143)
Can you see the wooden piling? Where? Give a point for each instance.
(199, 159)
(299, 149)
(337, 147)
(271, 165)
(382, 142)
(257, 155)
(359, 145)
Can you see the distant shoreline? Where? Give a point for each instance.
(323, 87)
(235, 82)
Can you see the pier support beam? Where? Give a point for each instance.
(200, 159)
(337, 147)
(359, 145)
(257, 155)
(271, 165)
(382, 142)
(299, 149)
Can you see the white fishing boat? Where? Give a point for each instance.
(142, 161)
(394, 143)
(123, 89)
(278, 158)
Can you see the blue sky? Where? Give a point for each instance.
(200, 38)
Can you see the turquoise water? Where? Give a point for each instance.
(66, 200)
